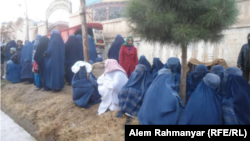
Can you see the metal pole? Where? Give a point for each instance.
(27, 26)
(84, 31)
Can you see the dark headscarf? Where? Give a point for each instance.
(40, 60)
(54, 61)
(143, 60)
(114, 50)
(72, 55)
(161, 103)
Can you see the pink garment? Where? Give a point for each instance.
(112, 65)
(129, 48)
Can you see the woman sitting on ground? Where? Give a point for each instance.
(161, 103)
(131, 95)
(236, 98)
(110, 84)
(204, 106)
(85, 89)
(13, 70)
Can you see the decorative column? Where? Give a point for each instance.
(107, 13)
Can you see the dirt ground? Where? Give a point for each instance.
(57, 116)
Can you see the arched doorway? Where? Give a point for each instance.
(55, 5)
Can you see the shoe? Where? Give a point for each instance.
(128, 120)
(28, 83)
(119, 115)
(37, 89)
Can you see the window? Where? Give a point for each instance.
(114, 13)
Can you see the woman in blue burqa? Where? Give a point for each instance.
(218, 70)
(26, 63)
(85, 87)
(157, 65)
(92, 49)
(38, 37)
(143, 60)
(161, 104)
(79, 37)
(131, 95)
(72, 55)
(114, 50)
(54, 61)
(13, 69)
(236, 99)
(194, 79)
(174, 65)
(11, 44)
(40, 60)
(204, 106)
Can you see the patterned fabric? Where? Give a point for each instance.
(131, 96)
(229, 117)
(35, 67)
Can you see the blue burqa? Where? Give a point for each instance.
(40, 60)
(195, 77)
(79, 37)
(161, 104)
(131, 95)
(218, 70)
(92, 49)
(72, 55)
(85, 92)
(229, 115)
(236, 103)
(26, 61)
(38, 37)
(13, 72)
(143, 60)
(157, 65)
(11, 44)
(54, 61)
(204, 106)
(174, 65)
(114, 50)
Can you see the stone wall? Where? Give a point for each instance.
(227, 49)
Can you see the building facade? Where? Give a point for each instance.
(110, 14)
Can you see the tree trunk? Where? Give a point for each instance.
(84, 31)
(183, 73)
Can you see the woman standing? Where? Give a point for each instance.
(26, 63)
(40, 60)
(115, 48)
(54, 62)
(128, 56)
